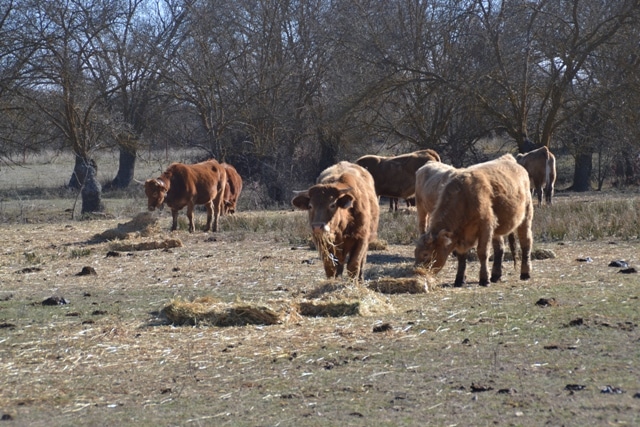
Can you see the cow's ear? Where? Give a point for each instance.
(301, 200)
(446, 238)
(345, 201)
(161, 184)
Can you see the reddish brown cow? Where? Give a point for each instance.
(343, 215)
(232, 190)
(541, 167)
(430, 180)
(189, 185)
(478, 205)
(395, 177)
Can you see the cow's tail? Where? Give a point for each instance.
(512, 247)
(550, 166)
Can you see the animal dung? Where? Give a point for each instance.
(210, 311)
(147, 246)
(400, 285)
(87, 271)
(338, 299)
(378, 245)
(55, 300)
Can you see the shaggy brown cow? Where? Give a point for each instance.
(189, 185)
(395, 177)
(430, 180)
(478, 205)
(232, 190)
(541, 167)
(343, 215)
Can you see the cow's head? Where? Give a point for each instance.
(432, 249)
(156, 191)
(324, 202)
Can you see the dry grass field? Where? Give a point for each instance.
(560, 349)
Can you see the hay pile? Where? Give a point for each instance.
(144, 224)
(337, 299)
(210, 311)
(146, 246)
(400, 285)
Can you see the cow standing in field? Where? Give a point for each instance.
(343, 215)
(430, 180)
(189, 185)
(395, 177)
(232, 190)
(477, 206)
(541, 167)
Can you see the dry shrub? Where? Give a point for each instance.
(147, 246)
(540, 254)
(144, 224)
(337, 299)
(210, 311)
(378, 245)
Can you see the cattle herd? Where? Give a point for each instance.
(457, 208)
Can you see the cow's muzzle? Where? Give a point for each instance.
(320, 228)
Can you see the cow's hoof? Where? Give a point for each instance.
(495, 279)
(484, 283)
(525, 276)
(458, 283)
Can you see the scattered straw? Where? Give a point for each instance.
(210, 311)
(143, 225)
(147, 246)
(337, 299)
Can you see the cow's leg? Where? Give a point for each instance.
(192, 227)
(498, 254)
(548, 193)
(483, 255)
(462, 267)
(525, 238)
(357, 259)
(174, 215)
(209, 207)
(422, 218)
(218, 206)
(538, 192)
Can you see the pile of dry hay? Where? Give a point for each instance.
(400, 285)
(210, 311)
(146, 246)
(143, 225)
(336, 299)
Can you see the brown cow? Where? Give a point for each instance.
(430, 180)
(541, 166)
(395, 177)
(189, 185)
(232, 190)
(343, 215)
(478, 205)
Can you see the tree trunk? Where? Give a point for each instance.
(126, 169)
(91, 192)
(582, 173)
(80, 170)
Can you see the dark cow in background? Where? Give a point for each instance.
(541, 167)
(395, 177)
(232, 190)
(343, 215)
(189, 185)
(476, 206)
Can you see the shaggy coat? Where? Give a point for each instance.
(395, 177)
(189, 185)
(343, 215)
(232, 190)
(430, 180)
(541, 167)
(478, 206)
